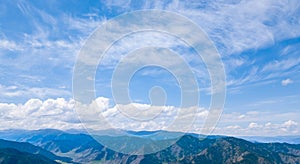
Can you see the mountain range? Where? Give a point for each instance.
(55, 146)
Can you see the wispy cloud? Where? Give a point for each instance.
(46, 47)
(286, 64)
(9, 45)
(11, 93)
(236, 27)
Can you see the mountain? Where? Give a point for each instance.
(13, 156)
(279, 139)
(221, 150)
(82, 148)
(31, 149)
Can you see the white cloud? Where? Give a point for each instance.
(282, 64)
(268, 124)
(36, 114)
(254, 125)
(233, 127)
(7, 92)
(256, 129)
(286, 82)
(84, 26)
(242, 116)
(137, 116)
(259, 124)
(290, 123)
(264, 73)
(61, 114)
(9, 45)
(238, 27)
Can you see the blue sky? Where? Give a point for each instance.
(259, 43)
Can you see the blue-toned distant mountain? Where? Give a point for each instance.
(80, 147)
(11, 150)
(83, 148)
(13, 156)
(279, 139)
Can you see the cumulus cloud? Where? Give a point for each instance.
(61, 114)
(286, 82)
(136, 116)
(289, 127)
(290, 123)
(37, 114)
(254, 123)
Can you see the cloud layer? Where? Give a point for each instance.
(60, 114)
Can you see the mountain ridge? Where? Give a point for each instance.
(83, 148)
(31, 149)
(10, 155)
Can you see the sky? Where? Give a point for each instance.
(258, 43)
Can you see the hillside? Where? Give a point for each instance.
(13, 156)
(29, 149)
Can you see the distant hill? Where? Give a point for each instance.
(82, 148)
(279, 139)
(31, 149)
(13, 156)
